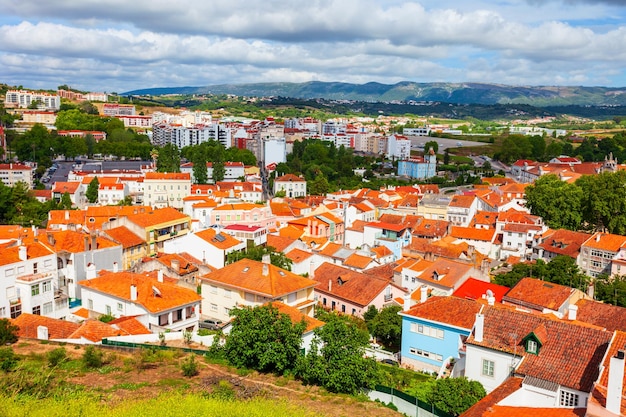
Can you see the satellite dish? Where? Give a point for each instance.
(156, 292)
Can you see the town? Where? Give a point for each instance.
(173, 225)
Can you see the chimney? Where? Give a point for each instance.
(266, 264)
(407, 302)
(330, 285)
(598, 237)
(91, 271)
(94, 243)
(51, 239)
(423, 293)
(160, 276)
(42, 333)
(616, 382)
(115, 267)
(571, 312)
(175, 265)
(22, 253)
(133, 292)
(86, 239)
(67, 214)
(479, 327)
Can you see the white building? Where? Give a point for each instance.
(275, 151)
(292, 185)
(11, 174)
(162, 189)
(24, 98)
(398, 147)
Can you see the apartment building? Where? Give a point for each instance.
(11, 174)
(23, 99)
(165, 189)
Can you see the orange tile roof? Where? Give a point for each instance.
(125, 237)
(298, 255)
(247, 274)
(454, 311)
(66, 217)
(184, 266)
(381, 251)
(442, 272)
(474, 289)
(10, 251)
(599, 393)
(357, 226)
(57, 329)
(291, 232)
(279, 243)
(357, 261)
(289, 178)
(14, 232)
(430, 228)
(158, 216)
(65, 187)
(330, 249)
(74, 242)
(605, 241)
(296, 316)
(387, 226)
(512, 411)
(470, 233)
(168, 176)
(101, 180)
(483, 408)
(603, 315)
(570, 356)
(356, 287)
(129, 325)
(226, 241)
(537, 294)
(82, 312)
(117, 284)
(238, 206)
(95, 331)
(465, 201)
(564, 242)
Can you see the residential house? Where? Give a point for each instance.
(112, 194)
(154, 226)
(29, 281)
(474, 289)
(561, 242)
(597, 253)
(251, 235)
(73, 189)
(540, 297)
(243, 213)
(462, 209)
(434, 206)
(293, 186)
(11, 174)
(325, 226)
(303, 262)
(208, 245)
(134, 248)
(442, 276)
(558, 360)
(350, 292)
(420, 167)
(483, 240)
(434, 332)
(393, 236)
(163, 189)
(252, 283)
(156, 301)
(181, 267)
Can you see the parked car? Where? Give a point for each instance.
(210, 324)
(390, 362)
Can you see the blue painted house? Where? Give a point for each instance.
(434, 332)
(419, 167)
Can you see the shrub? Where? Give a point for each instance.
(105, 318)
(56, 357)
(8, 359)
(189, 366)
(8, 332)
(93, 358)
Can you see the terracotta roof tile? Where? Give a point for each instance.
(474, 289)
(442, 272)
(483, 408)
(225, 241)
(570, 356)
(465, 201)
(247, 274)
(296, 316)
(358, 261)
(129, 325)
(10, 251)
(95, 331)
(168, 176)
(298, 255)
(454, 311)
(279, 243)
(537, 294)
(564, 242)
(125, 237)
(470, 233)
(57, 329)
(605, 241)
(603, 315)
(117, 284)
(74, 242)
(65, 187)
(158, 216)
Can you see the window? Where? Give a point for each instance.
(569, 399)
(213, 307)
(163, 319)
(426, 354)
(3, 311)
(108, 310)
(531, 346)
(37, 310)
(34, 289)
(16, 310)
(488, 367)
(177, 316)
(213, 289)
(226, 293)
(90, 304)
(34, 267)
(427, 330)
(120, 307)
(47, 308)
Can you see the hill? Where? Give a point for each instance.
(459, 93)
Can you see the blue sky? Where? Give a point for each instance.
(120, 45)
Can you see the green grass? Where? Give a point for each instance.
(128, 386)
(170, 405)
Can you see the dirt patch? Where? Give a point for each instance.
(126, 377)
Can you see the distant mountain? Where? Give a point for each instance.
(458, 93)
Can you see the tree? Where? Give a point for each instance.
(455, 395)
(8, 332)
(92, 190)
(66, 201)
(431, 144)
(336, 359)
(218, 171)
(264, 339)
(604, 201)
(168, 159)
(199, 159)
(611, 289)
(387, 326)
(256, 253)
(319, 185)
(557, 202)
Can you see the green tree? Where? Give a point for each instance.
(218, 171)
(319, 185)
(557, 202)
(66, 201)
(92, 190)
(369, 315)
(387, 326)
(611, 289)
(168, 159)
(256, 253)
(455, 395)
(336, 359)
(431, 144)
(199, 159)
(564, 271)
(264, 339)
(8, 332)
(604, 201)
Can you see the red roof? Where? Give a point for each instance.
(474, 289)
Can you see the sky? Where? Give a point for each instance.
(123, 45)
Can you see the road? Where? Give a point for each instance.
(64, 168)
